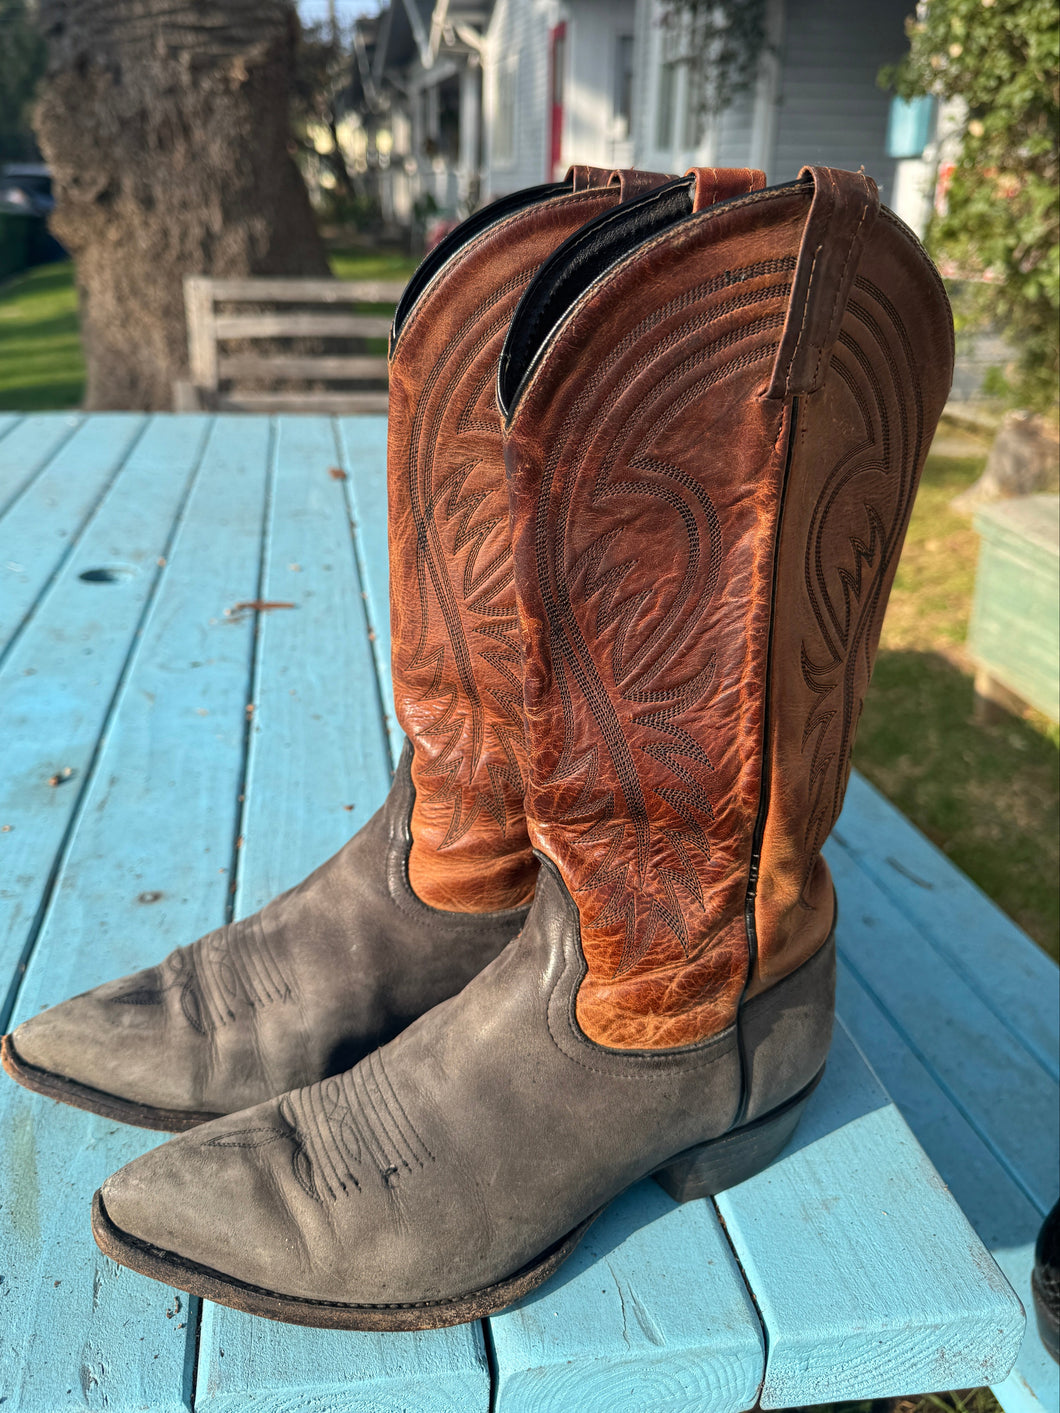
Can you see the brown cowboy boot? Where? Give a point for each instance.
(716, 420)
(435, 885)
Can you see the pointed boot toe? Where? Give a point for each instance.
(99, 1051)
(430, 1185)
(320, 977)
(311, 1210)
(209, 1208)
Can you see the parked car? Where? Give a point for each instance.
(27, 184)
(26, 201)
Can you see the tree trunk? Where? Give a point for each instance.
(165, 124)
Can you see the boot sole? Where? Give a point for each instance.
(696, 1172)
(96, 1101)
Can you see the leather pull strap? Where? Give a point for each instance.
(842, 213)
(714, 184)
(583, 178)
(629, 180)
(632, 182)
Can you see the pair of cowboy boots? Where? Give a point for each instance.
(629, 666)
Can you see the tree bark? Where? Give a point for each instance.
(165, 124)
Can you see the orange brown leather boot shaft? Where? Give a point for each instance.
(456, 657)
(712, 459)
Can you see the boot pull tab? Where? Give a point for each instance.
(583, 178)
(632, 182)
(629, 180)
(842, 213)
(714, 184)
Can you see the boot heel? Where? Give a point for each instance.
(724, 1162)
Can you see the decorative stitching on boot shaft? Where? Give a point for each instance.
(341, 1131)
(456, 651)
(624, 648)
(856, 528)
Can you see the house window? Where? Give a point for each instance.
(504, 111)
(694, 119)
(664, 107)
(624, 84)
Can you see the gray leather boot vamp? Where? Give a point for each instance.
(451, 1171)
(301, 990)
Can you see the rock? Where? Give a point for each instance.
(1024, 459)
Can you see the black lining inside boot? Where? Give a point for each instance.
(467, 230)
(573, 267)
(583, 258)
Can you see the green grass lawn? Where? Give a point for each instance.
(40, 345)
(986, 794)
(347, 264)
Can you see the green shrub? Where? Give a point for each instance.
(1001, 223)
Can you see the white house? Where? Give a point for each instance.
(602, 81)
(483, 97)
(559, 87)
(417, 90)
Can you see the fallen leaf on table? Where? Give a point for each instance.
(257, 606)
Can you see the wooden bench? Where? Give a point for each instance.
(225, 378)
(1014, 634)
(137, 809)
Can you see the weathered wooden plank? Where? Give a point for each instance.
(997, 960)
(58, 684)
(1005, 1220)
(242, 365)
(317, 747)
(161, 812)
(649, 1313)
(363, 444)
(28, 447)
(202, 338)
(77, 1331)
(867, 1276)
(317, 403)
(246, 1361)
(982, 1185)
(267, 326)
(147, 868)
(43, 525)
(294, 291)
(1001, 1090)
(1014, 631)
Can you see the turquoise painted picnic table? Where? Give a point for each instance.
(171, 755)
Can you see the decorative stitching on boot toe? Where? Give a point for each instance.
(148, 993)
(247, 1138)
(222, 973)
(352, 1123)
(261, 1135)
